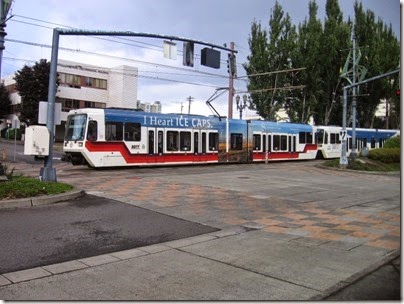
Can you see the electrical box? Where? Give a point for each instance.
(36, 141)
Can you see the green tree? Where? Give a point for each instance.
(5, 102)
(309, 52)
(270, 52)
(321, 48)
(382, 51)
(32, 84)
(333, 41)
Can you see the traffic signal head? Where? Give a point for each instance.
(231, 65)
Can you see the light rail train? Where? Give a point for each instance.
(122, 137)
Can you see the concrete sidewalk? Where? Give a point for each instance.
(283, 236)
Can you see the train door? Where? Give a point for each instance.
(155, 144)
(249, 156)
(197, 145)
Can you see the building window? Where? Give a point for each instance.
(73, 81)
(95, 83)
(93, 104)
(69, 104)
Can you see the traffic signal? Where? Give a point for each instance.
(398, 92)
(231, 65)
(188, 51)
(210, 58)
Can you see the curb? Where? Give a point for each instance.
(41, 200)
(356, 277)
(393, 173)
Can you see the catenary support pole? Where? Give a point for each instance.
(48, 173)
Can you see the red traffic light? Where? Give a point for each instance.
(398, 92)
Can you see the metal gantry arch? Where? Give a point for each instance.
(48, 173)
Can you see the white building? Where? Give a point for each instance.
(87, 86)
(148, 107)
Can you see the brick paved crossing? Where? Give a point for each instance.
(313, 214)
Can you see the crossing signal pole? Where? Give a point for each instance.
(231, 85)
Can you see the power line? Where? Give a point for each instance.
(113, 39)
(114, 57)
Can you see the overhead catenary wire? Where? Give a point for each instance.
(110, 39)
(129, 42)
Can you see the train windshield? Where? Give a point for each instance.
(75, 127)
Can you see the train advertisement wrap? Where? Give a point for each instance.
(121, 137)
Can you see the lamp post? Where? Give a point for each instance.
(241, 105)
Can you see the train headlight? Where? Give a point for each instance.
(80, 144)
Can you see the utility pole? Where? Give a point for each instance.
(231, 89)
(4, 8)
(190, 99)
(353, 151)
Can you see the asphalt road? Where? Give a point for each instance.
(84, 227)
(14, 152)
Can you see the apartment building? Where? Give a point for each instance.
(87, 86)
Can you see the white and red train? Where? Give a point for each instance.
(121, 137)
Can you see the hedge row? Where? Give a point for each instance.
(385, 155)
(393, 142)
(10, 134)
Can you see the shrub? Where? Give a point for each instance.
(393, 142)
(11, 133)
(385, 155)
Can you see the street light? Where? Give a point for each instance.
(241, 106)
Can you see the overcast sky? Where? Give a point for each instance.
(29, 34)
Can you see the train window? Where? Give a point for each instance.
(290, 143)
(257, 142)
(302, 137)
(75, 127)
(284, 142)
(335, 138)
(203, 142)
(196, 142)
(185, 141)
(309, 137)
(277, 142)
(236, 141)
(381, 142)
(373, 143)
(160, 142)
(132, 131)
(213, 141)
(269, 142)
(264, 142)
(172, 140)
(320, 136)
(113, 131)
(151, 142)
(92, 130)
